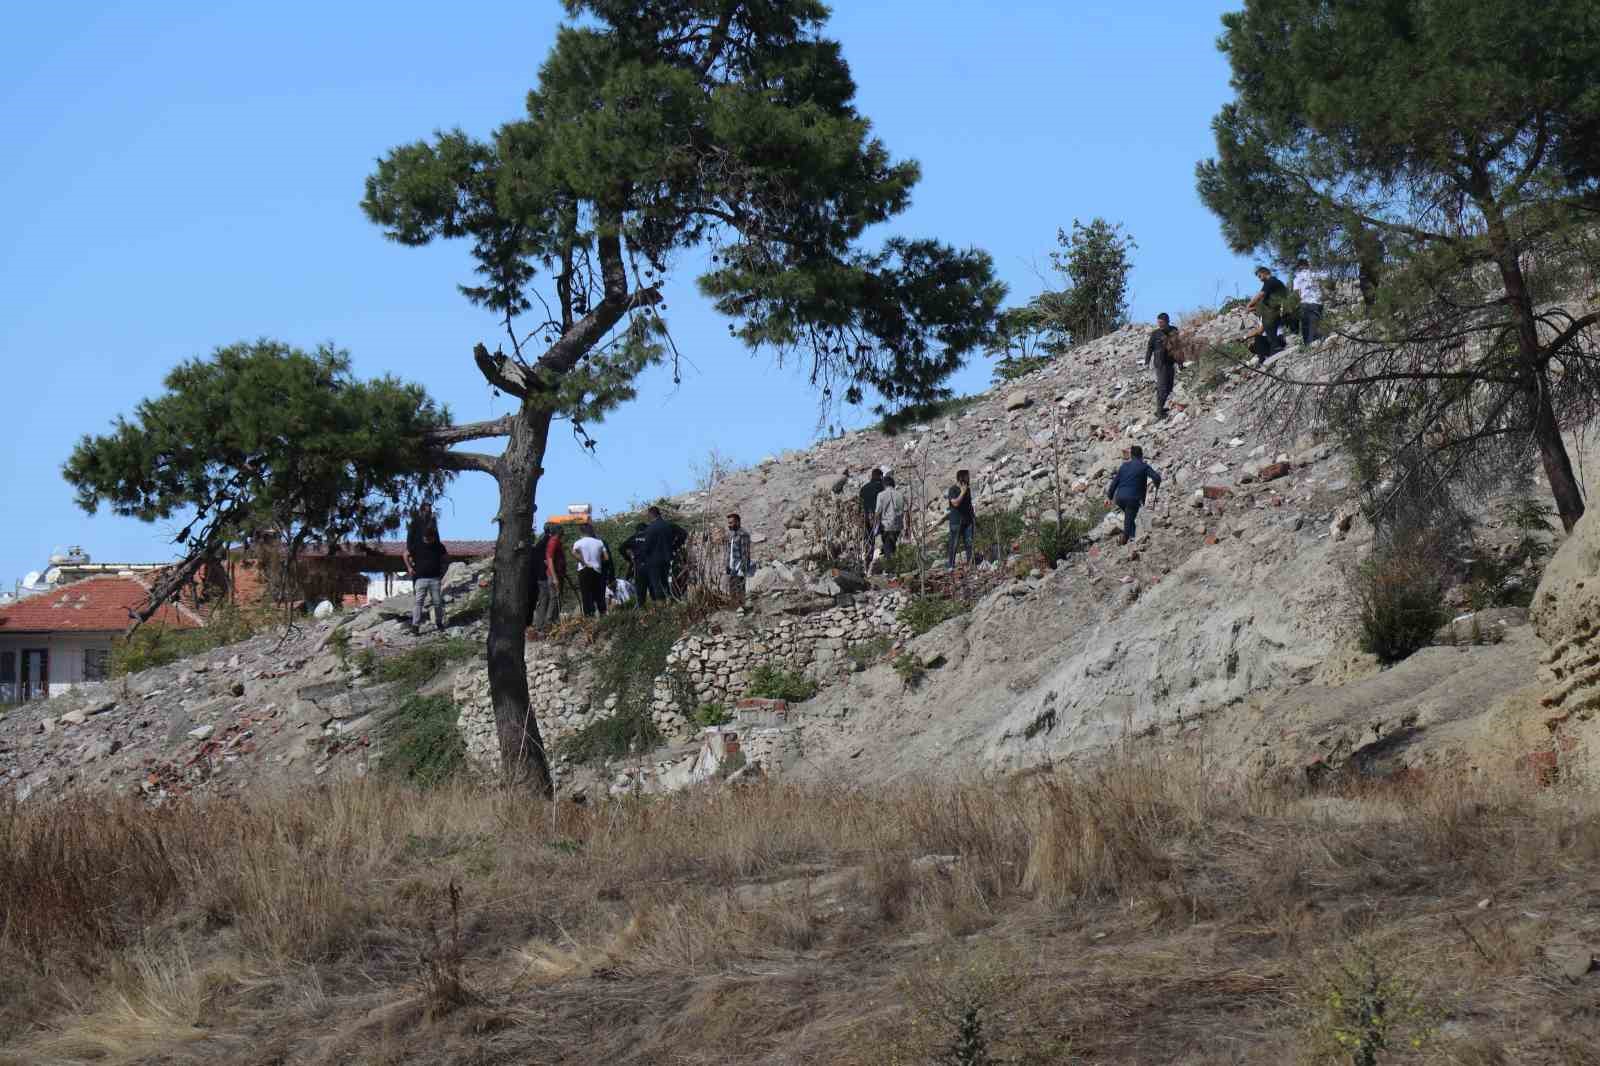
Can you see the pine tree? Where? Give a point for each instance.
(661, 131)
(264, 440)
(1443, 152)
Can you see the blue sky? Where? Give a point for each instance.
(180, 176)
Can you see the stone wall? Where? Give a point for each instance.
(715, 664)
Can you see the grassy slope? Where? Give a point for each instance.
(1145, 914)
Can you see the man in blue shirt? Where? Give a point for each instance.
(1128, 487)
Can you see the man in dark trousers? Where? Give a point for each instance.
(1158, 352)
(427, 561)
(633, 552)
(1128, 487)
(1268, 303)
(551, 560)
(655, 555)
(869, 509)
(963, 519)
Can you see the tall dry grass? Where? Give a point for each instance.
(125, 932)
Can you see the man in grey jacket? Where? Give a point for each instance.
(891, 516)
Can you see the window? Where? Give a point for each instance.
(96, 664)
(8, 667)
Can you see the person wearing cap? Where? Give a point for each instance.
(741, 560)
(1158, 352)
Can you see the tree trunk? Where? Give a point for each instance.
(1557, 464)
(1546, 429)
(523, 758)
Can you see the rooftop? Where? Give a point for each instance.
(94, 605)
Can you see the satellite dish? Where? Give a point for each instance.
(57, 558)
(52, 575)
(30, 579)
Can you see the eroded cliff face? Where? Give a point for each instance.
(1566, 615)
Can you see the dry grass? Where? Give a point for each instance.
(1142, 912)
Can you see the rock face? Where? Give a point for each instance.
(1566, 615)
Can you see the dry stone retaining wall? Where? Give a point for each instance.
(715, 666)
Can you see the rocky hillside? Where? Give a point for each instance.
(1227, 625)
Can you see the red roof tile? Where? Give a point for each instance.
(94, 605)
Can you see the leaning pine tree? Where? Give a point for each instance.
(1446, 152)
(723, 128)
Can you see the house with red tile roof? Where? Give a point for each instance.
(51, 642)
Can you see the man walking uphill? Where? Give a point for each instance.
(741, 562)
(426, 561)
(869, 509)
(1158, 352)
(891, 517)
(1128, 487)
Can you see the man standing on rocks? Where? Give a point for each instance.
(741, 561)
(592, 559)
(869, 510)
(891, 515)
(426, 562)
(1308, 287)
(552, 566)
(1158, 351)
(1128, 487)
(963, 519)
(633, 552)
(655, 555)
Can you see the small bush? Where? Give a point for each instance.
(421, 742)
(612, 737)
(916, 414)
(925, 612)
(998, 533)
(151, 646)
(415, 668)
(865, 654)
(1057, 540)
(711, 714)
(910, 669)
(1399, 594)
(1012, 367)
(769, 682)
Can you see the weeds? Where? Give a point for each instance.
(924, 612)
(1399, 595)
(421, 742)
(910, 669)
(413, 669)
(1368, 1009)
(151, 646)
(708, 715)
(868, 652)
(770, 682)
(916, 414)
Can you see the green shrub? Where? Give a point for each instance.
(711, 714)
(910, 669)
(151, 646)
(925, 612)
(1057, 540)
(415, 668)
(631, 652)
(998, 532)
(1399, 594)
(421, 743)
(1012, 367)
(769, 682)
(868, 652)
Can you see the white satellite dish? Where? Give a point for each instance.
(30, 579)
(52, 575)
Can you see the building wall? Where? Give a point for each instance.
(66, 658)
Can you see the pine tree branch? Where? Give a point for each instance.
(445, 436)
(485, 464)
(501, 372)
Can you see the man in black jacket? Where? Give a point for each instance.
(1128, 487)
(1158, 352)
(427, 561)
(654, 556)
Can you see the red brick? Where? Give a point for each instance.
(1544, 766)
(1211, 538)
(753, 704)
(1274, 471)
(1215, 492)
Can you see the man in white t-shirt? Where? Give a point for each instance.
(592, 555)
(1308, 285)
